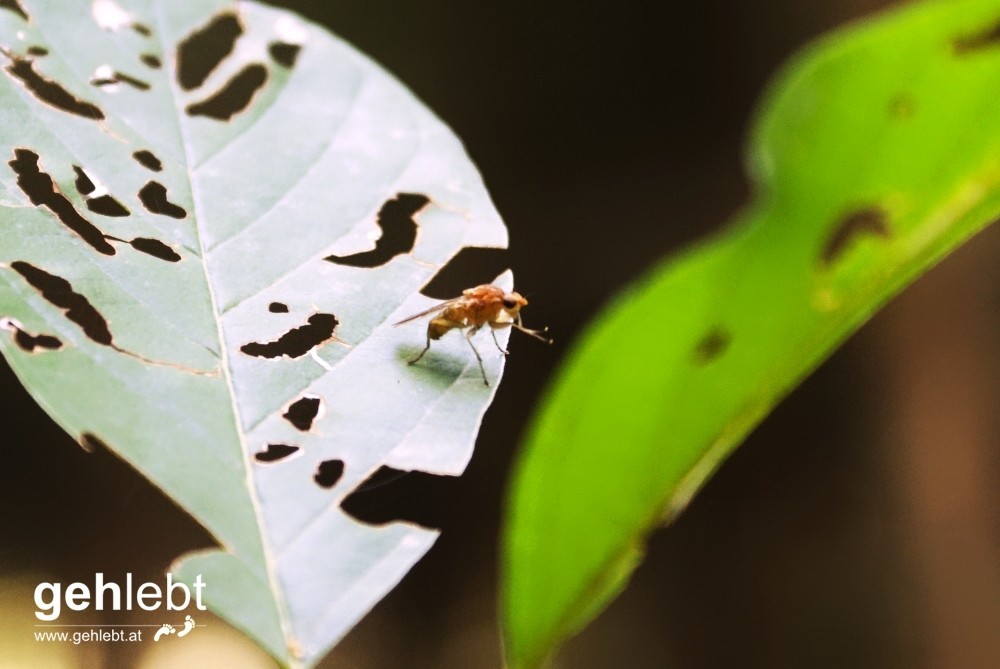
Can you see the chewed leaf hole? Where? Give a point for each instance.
(154, 198)
(28, 342)
(234, 97)
(275, 453)
(59, 292)
(711, 346)
(390, 495)
(471, 266)
(302, 412)
(106, 205)
(866, 222)
(151, 60)
(328, 473)
(298, 341)
(42, 192)
(284, 54)
(50, 92)
(14, 6)
(277, 308)
(92, 443)
(148, 160)
(155, 248)
(203, 50)
(966, 44)
(399, 232)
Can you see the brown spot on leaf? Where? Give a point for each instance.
(399, 232)
(50, 92)
(296, 342)
(200, 53)
(59, 292)
(984, 39)
(234, 97)
(867, 222)
(42, 192)
(712, 345)
(154, 198)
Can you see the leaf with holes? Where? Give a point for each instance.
(875, 154)
(213, 213)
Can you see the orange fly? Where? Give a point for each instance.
(479, 306)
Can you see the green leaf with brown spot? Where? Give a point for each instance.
(875, 153)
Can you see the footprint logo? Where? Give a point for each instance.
(165, 629)
(188, 626)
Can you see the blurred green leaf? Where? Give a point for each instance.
(875, 153)
(181, 227)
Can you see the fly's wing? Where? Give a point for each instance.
(427, 312)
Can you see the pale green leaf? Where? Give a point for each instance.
(151, 334)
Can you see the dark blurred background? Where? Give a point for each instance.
(859, 526)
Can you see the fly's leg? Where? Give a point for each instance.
(468, 338)
(435, 330)
(537, 334)
(493, 331)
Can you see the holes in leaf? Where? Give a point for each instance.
(302, 412)
(37, 51)
(987, 38)
(51, 92)
(277, 308)
(14, 6)
(59, 292)
(28, 342)
(41, 190)
(471, 266)
(142, 29)
(201, 52)
(284, 54)
(148, 160)
(234, 97)
(104, 204)
(154, 198)
(391, 495)
(92, 443)
(151, 60)
(113, 78)
(155, 248)
(84, 185)
(399, 232)
(296, 342)
(867, 222)
(275, 453)
(328, 473)
(711, 346)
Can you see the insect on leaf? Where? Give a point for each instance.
(875, 154)
(212, 213)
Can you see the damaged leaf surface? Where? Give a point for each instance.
(165, 287)
(875, 154)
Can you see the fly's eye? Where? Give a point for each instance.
(508, 303)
